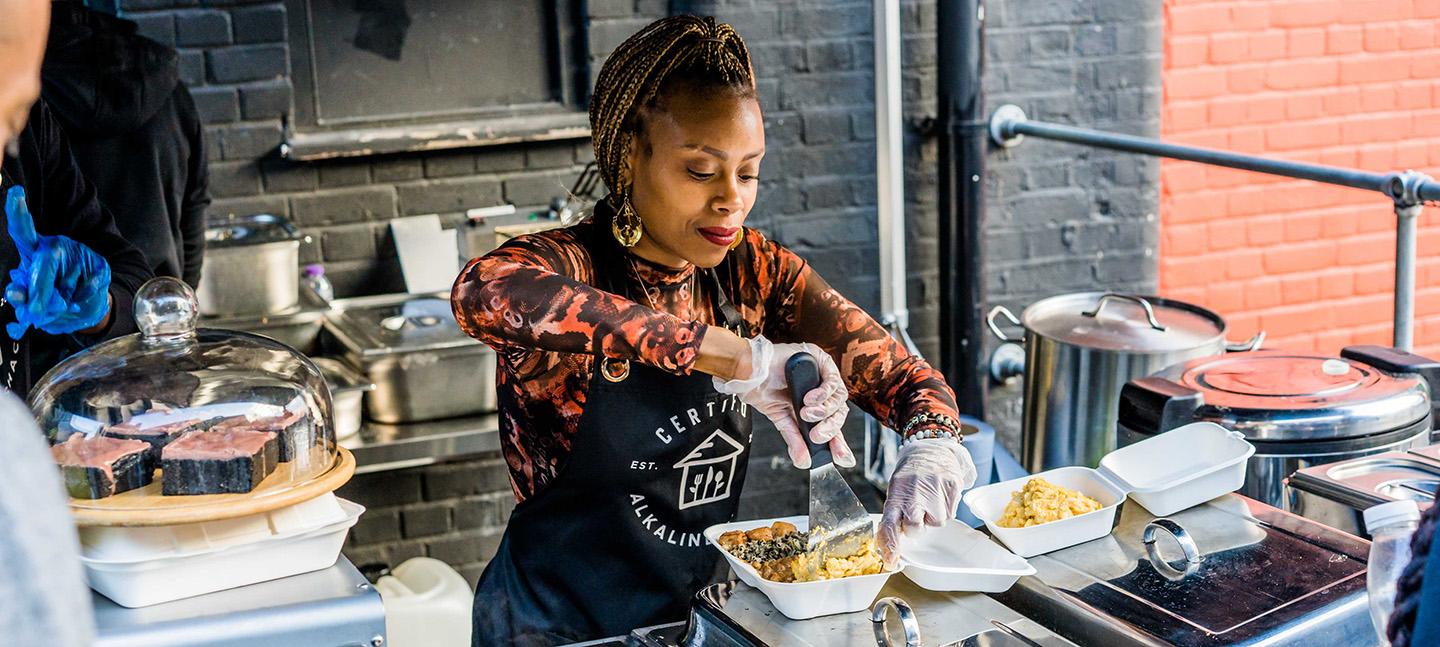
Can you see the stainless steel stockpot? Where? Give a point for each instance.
(252, 267)
(1080, 349)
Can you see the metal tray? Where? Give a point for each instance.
(1338, 494)
(423, 366)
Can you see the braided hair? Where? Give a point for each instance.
(1407, 590)
(672, 55)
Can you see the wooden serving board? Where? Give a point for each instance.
(147, 507)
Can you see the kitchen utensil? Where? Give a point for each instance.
(251, 266)
(1168, 473)
(1080, 349)
(1338, 494)
(1297, 409)
(1260, 577)
(839, 525)
(144, 583)
(423, 366)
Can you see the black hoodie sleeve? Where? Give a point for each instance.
(72, 209)
(197, 188)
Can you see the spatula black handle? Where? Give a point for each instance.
(802, 374)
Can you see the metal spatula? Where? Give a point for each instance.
(839, 525)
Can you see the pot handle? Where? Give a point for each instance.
(1149, 311)
(880, 613)
(1187, 545)
(1246, 346)
(995, 328)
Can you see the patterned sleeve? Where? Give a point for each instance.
(883, 377)
(533, 294)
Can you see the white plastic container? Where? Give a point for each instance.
(802, 600)
(120, 544)
(1167, 473)
(1181, 468)
(950, 558)
(956, 557)
(988, 504)
(165, 579)
(427, 604)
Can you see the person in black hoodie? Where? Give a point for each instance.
(135, 132)
(74, 240)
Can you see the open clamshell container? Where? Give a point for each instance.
(951, 558)
(178, 424)
(1170, 472)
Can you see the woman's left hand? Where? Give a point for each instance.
(924, 490)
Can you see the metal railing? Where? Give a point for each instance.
(1408, 191)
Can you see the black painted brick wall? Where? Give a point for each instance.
(1061, 218)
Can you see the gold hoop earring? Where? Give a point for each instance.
(626, 226)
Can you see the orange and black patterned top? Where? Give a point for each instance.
(535, 300)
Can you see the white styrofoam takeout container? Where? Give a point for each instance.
(802, 600)
(953, 557)
(165, 579)
(121, 544)
(1170, 472)
(988, 504)
(956, 557)
(1181, 468)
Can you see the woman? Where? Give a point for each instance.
(633, 346)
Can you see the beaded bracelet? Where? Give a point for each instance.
(951, 431)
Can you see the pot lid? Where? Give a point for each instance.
(419, 324)
(1276, 395)
(1255, 572)
(1123, 322)
(257, 229)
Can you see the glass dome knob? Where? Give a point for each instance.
(165, 308)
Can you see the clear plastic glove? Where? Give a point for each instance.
(767, 391)
(61, 286)
(930, 475)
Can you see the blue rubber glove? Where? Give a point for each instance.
(61, 286)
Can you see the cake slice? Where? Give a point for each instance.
(156, 436)
(292, 428)
(97, 467)
(218, 461)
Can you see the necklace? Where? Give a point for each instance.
(645, 287)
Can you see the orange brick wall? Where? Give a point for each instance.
(1349, 83)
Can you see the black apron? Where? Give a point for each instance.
(615, 541)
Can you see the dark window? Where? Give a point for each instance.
(495, 69)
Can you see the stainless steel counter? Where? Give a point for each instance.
(735, 614)
(335, 607)
(381, 447)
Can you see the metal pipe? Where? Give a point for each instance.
(1146, 146)
(889, 163)
(1405, 234)
(960, 41)
(1409, 190)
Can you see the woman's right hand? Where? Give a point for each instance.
(765, 388)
